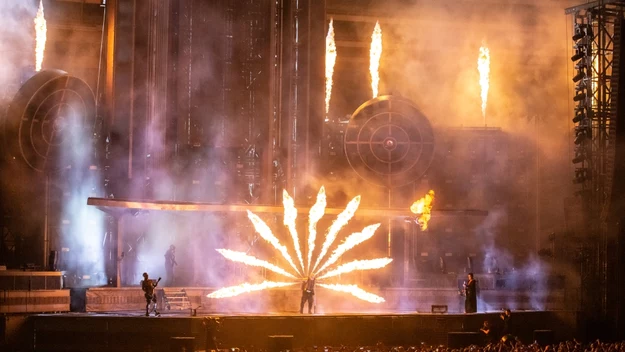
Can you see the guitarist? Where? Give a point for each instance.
(148, 285)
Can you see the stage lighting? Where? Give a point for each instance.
(578, 36)
(581, 135)
(580, 96)
(581, 175)
(579, 76)
(579, 158)
(579, 117)
(579, 55)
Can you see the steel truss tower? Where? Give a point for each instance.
(597, 32)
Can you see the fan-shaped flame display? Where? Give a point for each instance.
(357, 265)
(246, 288)
(290, 215)
(315, 214)
(349, 243)
(337, 225)
(375, 53)
(423, 208)
(40, 36)
(265, 232)
(330, 61)
(354, 291)
(483, 66)
(241, 257)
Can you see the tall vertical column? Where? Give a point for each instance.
(141, 125)
(303, 87)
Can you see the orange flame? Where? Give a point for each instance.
(315, 214)
(423, 208)
(350, 242)
(375, 53)
(483, 66)
(330, 61)
(40, 41)
(265, 232)
(245, 288)
(290, 215)
(336, 226)
(241, 257)
(354, 291)
(357, 265)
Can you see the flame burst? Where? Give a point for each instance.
(290, 215)
(423, 208)
(241, 257)
(355, 291)
(330, 61)
(316, 213)
(483, 66)
(40, 30)
(337, 225)
(375, 53)
(357, 265)
(246, 288)
(265, 232)
(350, 242)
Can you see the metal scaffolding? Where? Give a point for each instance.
(596, 55)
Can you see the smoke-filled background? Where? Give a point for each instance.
(224, 103)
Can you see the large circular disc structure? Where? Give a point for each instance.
(50, 118)
(389, 142)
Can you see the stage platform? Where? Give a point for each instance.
(132, 331)
(286, 300)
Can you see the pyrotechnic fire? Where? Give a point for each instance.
(374, 58)
(423, 208)
(483, 66)
(337, 225)
(40, 30)
(290, 215)
(355, 291)
(330, 61)
(265, 232)
(316, 213)
(252, 261)
(245, 288)
(357, 265)
(349, 243)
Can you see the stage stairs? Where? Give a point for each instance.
(176, 298)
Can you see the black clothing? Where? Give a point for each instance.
(150, 298)
(308, 295)
(170, 261)
(505, 325)
(470, 297)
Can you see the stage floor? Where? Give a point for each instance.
(132, 331)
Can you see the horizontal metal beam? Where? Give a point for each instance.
(114, 205)
(591, 5)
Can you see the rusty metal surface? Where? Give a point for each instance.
(107, 204)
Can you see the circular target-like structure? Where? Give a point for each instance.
(50, 120)
(389, 142)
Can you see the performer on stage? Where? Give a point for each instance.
(308, 294)
(470, 295)
(148, 285)
(170, 261)
(505, 323)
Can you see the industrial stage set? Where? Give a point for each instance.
(220, 164)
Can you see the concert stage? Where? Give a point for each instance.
(131, 331)
(111, 319)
